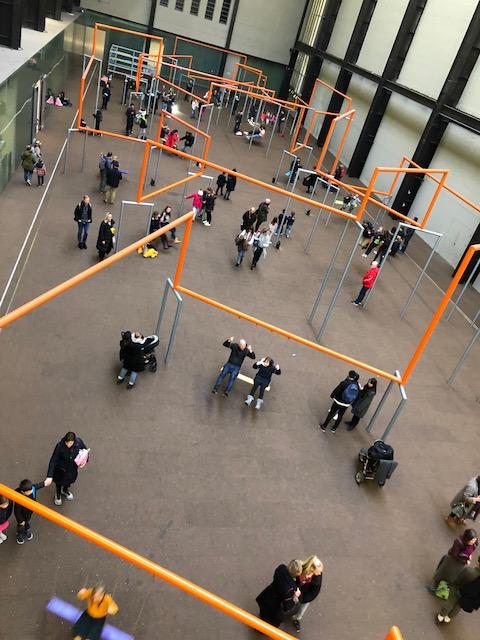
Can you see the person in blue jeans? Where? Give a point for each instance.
(23, 514)
(238, 352)
(83, 218)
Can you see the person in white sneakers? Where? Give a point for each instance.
(266, 368)
(62, 468)
(6, 508)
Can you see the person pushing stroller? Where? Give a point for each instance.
(136, 354)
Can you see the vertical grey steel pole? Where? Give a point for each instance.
(292, 190)
(159, 155)
(319, 212)
(309, 156)
(460, 296)
(327, 273)
(67, 148)
(119, 228)
(161, 313)
(475, 318)
(395, 416)
(379, 408)
(173, 332)
(84, 150)
(330, 187)
(210, 117)
(384, 261)
(279, 167)
(98, 84)
(148, 166)
(422, 273)
(459, 365)
(149, 216)
(273, 130)
(183, 197)
(294, 122)
(339, 286)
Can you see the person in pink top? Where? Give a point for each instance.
(367, 283)
(197, 202)
(172, 139)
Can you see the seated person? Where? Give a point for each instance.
(257, 133)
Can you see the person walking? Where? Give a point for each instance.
(188, 88)
(194, 104)
(23, 515)
(309, 582)
(221, 182)
(133, 359)
(62, 468)
(106, 236)
(197, 203)
(130, 120)
(114, 177)
(189, 140)
(280, 599)
(409, 233)
(99, 605)
(41, 171)
(368, 281)
(344, 394)
(238, 352)
(266, 368)
(376, 242)
(83, 218)
(248, 219)
(367, 234)
(242, 242)
(238, 123)
(209, 205)
(106, 93)
(98, 117)
(28, 164)
(104, 164)
(459, 556)
(362, 404)
(289, 224)
(260, 241)
(464, 594)
(262, 213)
(230, 185)
(466, 504)
(6, 508)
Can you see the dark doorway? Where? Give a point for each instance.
(474, 262)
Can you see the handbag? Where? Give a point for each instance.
(289, 607)
(82, 458)
(442, 590)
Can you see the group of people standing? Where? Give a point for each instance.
(32, 161)
(83, 216)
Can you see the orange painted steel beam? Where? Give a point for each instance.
(438, 313)
(349, 116)
(39, 301)
(135, 559)
(289, 335)
(394, 634)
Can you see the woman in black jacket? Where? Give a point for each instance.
(362, 404)
(106, 236)
(280, 599)
(62, 468)
(133, 358)
(266, 368)
(230, 186)
(309, 582)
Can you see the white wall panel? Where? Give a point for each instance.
(182, 23)
(381, 33)
(459, 152)
(437, 39)
(470, 100)
(398, 135)
(134, 10)
(342, 31)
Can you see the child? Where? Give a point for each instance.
(41, 171)
(23, 515)
(99, 605)
(290, 221)
(266, 368)
(6, 507)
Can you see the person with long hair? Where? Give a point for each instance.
(106, 236)
(459, 556)
(266, 368)
(62, 468)
(280, 599)
(362, 404)
(309, 582)
(99, 605)
(465, 504)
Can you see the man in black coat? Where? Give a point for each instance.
(343, 395)
(114, 176)
(62, 468)
(262, 213)
(83, 217)
(230, 186)
(132, 355)
(238, 352)
(280, 598)
(221, 182)
(106, 93)
(130, 115)
(409, 233)
(248, 219)
(23, 515)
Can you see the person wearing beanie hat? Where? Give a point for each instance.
(343, 396)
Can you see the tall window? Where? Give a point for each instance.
(225, 11)
(195, 6)
(311, 24)
(179, 5)
(163, 3)
(210, 9)
(298, 75)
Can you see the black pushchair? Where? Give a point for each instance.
(375, 463)
(148, 347)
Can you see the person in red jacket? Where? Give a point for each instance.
(367, 283)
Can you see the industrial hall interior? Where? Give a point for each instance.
(239, 319)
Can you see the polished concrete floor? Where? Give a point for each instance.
(201, 484)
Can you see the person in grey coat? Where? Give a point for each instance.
(362, 403)
(465, 504)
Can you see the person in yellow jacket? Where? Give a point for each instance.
(99, 605)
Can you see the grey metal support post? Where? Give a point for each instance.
(475, 318)
(460, 296)
(84, 150)
(168, 285)
(340, 283)
(309, 154)
(419, 279)
(67, 148)
(330, 187)
(397, 412)
(148, 166)
(379, 408)
(176, 320)
(319, 213)
(327, 273)
(119, 227)
(459, 364)
(384, 262)
(98, 84)
(159, 155)
(273, 130)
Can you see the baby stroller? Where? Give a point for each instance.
(376, 463)
(148, 346)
